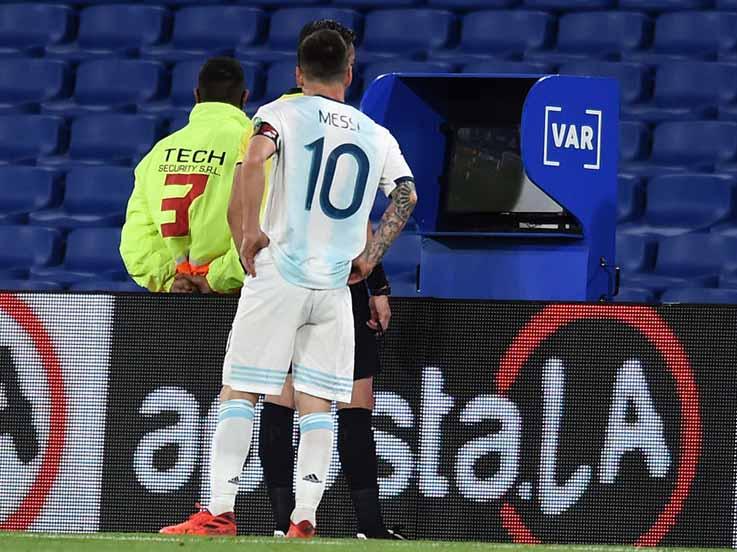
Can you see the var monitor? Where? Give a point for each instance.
(484, 187)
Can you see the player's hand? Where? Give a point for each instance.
(200, 283)
(381, 313)
(360, 270)
(182, 284)
(252, 243)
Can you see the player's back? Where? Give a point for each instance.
(187, 178)
(330, 160)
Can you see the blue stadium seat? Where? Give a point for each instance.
(664, 5)
(374, 70)
(106, 85)
(377, 3)
(42, 135)
(204, 31)
(457, 5)
(700, 295)
(26, 82)
(94, 196)
(26, 189)
(110, 286)
(25, 29)
(90, 252)
(633, 77)
(605, 35)
(25, 247)
(630, 197)
(271, 3)
(570, 5)
(682, 203)
(112, 139)
(386, 33)
(279, 79)
(29, 285)
(726, 4)
(688, 90)
(700, 34)
(284, 28)
(689, 145)
(634, 295)
(504, 66)
(689, 260)
(500, 33)
(635, 254)
(114, 30)
(634, 141)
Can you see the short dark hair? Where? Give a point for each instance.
(323, 56)
(221, 80)
(347, 34)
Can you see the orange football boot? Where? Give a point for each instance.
(302, 530)
(204, 524)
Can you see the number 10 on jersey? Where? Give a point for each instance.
(331, 162)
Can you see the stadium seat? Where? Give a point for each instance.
(635, 254)
(374, 70)
(633, 77)
(603, 35)
(205, 31)
(634, 141)
(94, 196)
(377, 3)
(42, 135)
(700, 295)
(634, 295)
(688, 90)
(110, 286)
(26, 82)
(106, 85)
(503, 66)
(26, 189)
(664, 5)
(279, 79)
(689, 145)
(284, 28)
(25, 29)
(689, 260)
(457, 5)
(25, 247)
(112, 139)
(699, 34)
(178, 122)
(500, 33)
(682, 203)
(726, 4)
(270, 3)
(90, 253)
(570, 5)
(386, 33)
(29, 285)
(114, 30)
(630, 198)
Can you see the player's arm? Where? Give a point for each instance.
(397, 180)
(142, 248)
(251, 183)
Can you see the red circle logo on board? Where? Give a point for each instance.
(648, 323)
(32, 504)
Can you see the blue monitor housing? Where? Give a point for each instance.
(517, 180)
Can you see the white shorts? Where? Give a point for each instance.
(279, 324)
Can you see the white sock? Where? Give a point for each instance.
(313, 461)
(230, 446)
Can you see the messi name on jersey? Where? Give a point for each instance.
(338, 121)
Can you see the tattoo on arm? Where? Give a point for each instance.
(395, 218)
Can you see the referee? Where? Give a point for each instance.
(356, 444)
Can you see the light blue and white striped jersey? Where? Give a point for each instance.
(330, 160)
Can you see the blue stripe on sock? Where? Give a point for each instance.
(317, 420)
(236, 408)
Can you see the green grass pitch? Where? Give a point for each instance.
(132, 542)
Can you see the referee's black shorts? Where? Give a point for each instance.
(367, 352)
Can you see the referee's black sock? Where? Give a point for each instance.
(277, 459)
(357, 450)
